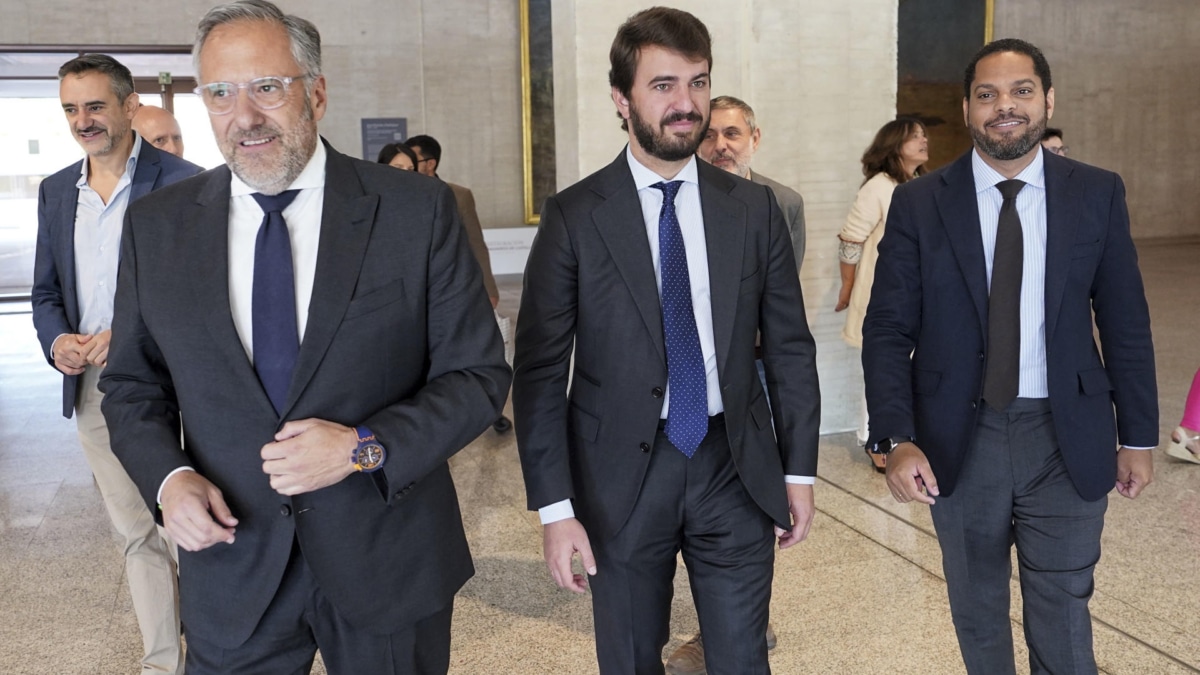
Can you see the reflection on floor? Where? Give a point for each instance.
(863, 595)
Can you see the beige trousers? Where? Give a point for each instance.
(149, 564)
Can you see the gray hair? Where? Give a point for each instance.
(733, 103)
(302, 34)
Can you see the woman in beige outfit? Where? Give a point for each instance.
(896, 155)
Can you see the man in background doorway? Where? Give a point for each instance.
(80, 214)
(160, 128)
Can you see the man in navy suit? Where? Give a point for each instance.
(984, 381)
(80, 212)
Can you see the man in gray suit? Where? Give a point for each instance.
(80, 211)
(320, 328)
(731, 142)
(657, 272)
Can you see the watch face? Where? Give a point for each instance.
(370, 456)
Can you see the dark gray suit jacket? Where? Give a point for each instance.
(590, 287)
(55, 305)
(793, 212)
(399, 338)
(924, 339)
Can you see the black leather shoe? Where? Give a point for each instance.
(502, 425)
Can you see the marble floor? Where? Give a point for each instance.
(864, 594)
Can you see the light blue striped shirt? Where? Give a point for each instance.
(98, 245)
(1031, 207)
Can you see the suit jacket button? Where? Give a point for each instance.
(645, 447)
(980, 356)
(656, 392)
(285, 510)
(974, 405)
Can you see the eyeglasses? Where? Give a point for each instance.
(267, 93)
(1060, 150)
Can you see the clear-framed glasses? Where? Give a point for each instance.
(1060, 150)
(267, 93)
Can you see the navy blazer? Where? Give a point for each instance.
(55, 306)
(930, 301)
(400, 338)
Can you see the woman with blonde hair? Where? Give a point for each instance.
(895, 156)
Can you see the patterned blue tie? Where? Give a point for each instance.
(687, 412)
(273, 308)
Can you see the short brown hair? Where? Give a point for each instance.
(672, 29)
(884, 154)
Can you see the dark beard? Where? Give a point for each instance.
(667, 147)
(1006, 149)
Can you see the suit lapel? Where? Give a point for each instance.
(64, 241)
(725, 236)
(1063, 204)
(346, 221)
(145, 174)
(205, 235)
(621, 226)
(959, 209)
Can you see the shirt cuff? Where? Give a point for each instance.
(1130, 447)
(556, 512)
(800, 480)
(158, 497)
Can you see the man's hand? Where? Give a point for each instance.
(1135, 470)
(909, 476)
(308, 455)
(800, 503)
(195, 513)
(70, 353)
(561, 540)
(97, 348)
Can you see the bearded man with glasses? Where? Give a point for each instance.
(320, 324)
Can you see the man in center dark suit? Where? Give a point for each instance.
(657, 272)
(984, 381)
(319, 327)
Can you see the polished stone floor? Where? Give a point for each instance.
(864, 594)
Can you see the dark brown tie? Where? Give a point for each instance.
(1004, 304)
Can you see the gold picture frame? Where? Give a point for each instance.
(537, 107)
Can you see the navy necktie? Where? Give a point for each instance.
(273, 308)
(1001, 377)
(687, 412)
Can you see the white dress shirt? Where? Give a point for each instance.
(691, 224)
(303, 218)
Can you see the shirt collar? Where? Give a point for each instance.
(130, 164)
(644, 177)
(313, 175)
(986, 177)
